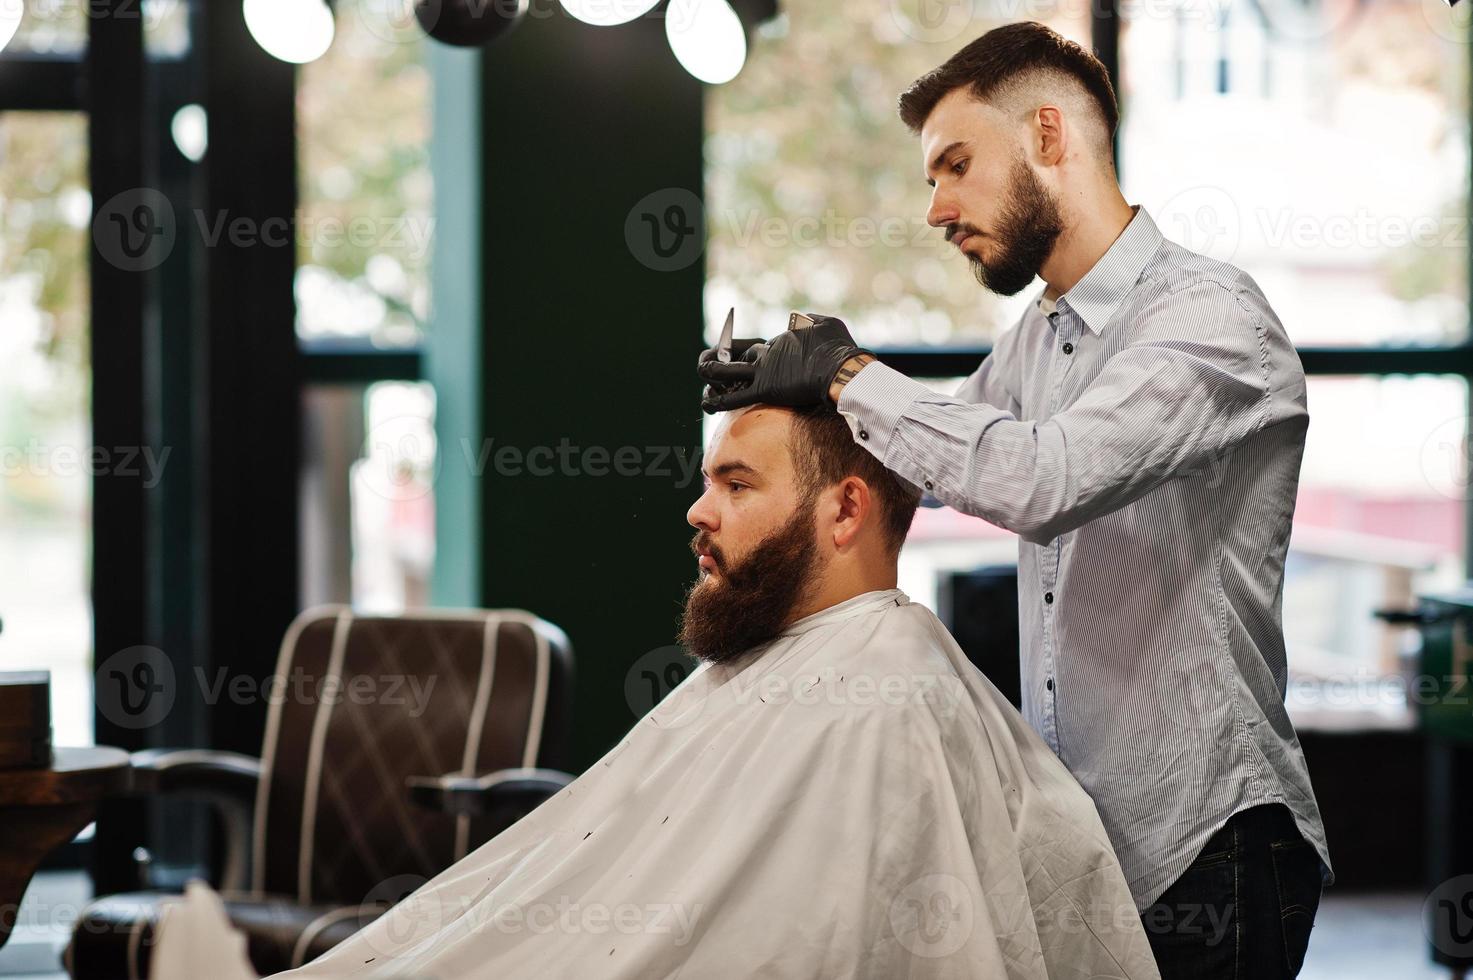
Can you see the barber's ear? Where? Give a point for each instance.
(854, 509)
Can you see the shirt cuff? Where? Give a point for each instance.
(873, 402)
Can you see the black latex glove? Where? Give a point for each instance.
(794, 369)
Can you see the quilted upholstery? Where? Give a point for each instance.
(362, 703)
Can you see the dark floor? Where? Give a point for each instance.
(1376, 937)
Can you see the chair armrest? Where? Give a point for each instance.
(506, 793)
(206, 771)
(226, 780)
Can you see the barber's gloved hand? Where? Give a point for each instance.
(795, 369)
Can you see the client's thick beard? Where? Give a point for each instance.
(753, 598)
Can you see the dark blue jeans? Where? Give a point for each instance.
(1244, 908)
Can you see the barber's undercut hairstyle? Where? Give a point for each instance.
(824, 452)
(1015, 69)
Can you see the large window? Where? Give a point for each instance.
(363, 131)
(49, 27)
(815, 195)
(1380, 519)
(1322, 147)
(49, 455)
(362, 287)
(47, 460)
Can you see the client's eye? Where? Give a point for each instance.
(959, 167)
(736, 486)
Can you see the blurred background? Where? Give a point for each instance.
(288, 296)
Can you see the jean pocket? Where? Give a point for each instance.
(1195, 918)
(1297, 877)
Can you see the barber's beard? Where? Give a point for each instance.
(751, 600)
(1026, 232)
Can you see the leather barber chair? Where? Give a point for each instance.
(361, 792)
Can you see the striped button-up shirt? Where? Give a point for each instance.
(1142, 435)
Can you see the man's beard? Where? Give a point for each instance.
(1027, 230)
(751, 601)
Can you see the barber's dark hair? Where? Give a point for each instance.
(993, 62)
(824, 452)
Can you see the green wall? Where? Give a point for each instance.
(585, 342)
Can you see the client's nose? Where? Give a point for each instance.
(702, 515)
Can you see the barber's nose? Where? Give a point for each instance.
(942, 211)
(702, 515)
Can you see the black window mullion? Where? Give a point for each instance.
(46, 83)
(359, 364)
(952, 362)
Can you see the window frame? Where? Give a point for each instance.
(1370, 361)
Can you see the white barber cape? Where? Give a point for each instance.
(856, 801)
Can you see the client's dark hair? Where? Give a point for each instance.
(824, 452)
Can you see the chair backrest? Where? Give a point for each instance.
(360, 703)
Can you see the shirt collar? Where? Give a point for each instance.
(1099, 294)
(849, 608)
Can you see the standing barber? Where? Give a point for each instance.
(1141, 430)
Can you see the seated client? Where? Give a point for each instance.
(834, 791)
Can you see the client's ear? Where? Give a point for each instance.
(855, 503)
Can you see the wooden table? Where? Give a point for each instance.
(41, 809)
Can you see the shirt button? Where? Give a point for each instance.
(1049, 683)
(1068, 348)
(928, 485)
(1048, 597)
(863, 434)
